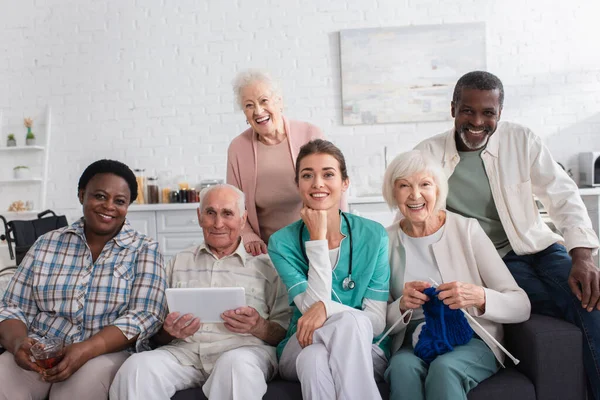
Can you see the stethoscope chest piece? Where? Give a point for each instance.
(348, 283)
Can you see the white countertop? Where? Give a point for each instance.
(589, 191)
(162, 207)
(366, 200)
(193, 206)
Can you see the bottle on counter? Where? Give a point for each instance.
(152, 188)
(191, 195)
(183, 183)
(141, 185)
(165, 196)
(165, 186)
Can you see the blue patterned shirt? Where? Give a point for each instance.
(59, 291)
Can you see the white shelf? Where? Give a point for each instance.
(10, 215)
(34, 188)
(22, 148)
(30, 180)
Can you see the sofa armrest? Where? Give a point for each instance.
(550, 351)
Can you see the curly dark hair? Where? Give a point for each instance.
(110, 167)
(320, 146)
(480, 80)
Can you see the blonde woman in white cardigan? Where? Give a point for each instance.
(430, 244)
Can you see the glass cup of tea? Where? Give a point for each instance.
(47, 352)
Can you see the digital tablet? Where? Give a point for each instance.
(206, 303)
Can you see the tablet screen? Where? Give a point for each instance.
(205, 303)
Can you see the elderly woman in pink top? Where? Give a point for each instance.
(261, 160)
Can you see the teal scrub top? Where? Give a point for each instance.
(370, 269)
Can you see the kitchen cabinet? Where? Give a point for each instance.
(174, 226)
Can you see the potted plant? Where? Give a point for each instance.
(21, 172)
(11, 141)
(30, 138)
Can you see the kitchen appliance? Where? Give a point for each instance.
(589, 169)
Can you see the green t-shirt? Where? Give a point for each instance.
(470, 195)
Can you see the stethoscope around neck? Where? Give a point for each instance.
(348, 283)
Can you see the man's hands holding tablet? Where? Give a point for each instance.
(241, 320)
(195, 306)
(181, 328)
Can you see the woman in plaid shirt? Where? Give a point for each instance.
(98, 285)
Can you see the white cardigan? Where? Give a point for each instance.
(465, 254)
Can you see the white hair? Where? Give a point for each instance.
(408, 164)
(241, 201)
(251, 76)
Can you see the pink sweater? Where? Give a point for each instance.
(242, 166)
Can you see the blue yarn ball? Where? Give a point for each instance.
(444, 328)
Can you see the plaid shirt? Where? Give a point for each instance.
(59, 291)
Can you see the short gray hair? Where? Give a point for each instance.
(408, 164)
(241, 202)
(249, 77)
(480, 80)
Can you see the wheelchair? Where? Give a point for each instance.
(22, 234)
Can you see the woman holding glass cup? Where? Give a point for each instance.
(97, 286)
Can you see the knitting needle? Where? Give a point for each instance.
(489, 335)
(393, 326)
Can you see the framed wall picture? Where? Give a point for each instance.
(406, 74)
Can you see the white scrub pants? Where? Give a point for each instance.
(342, 362)
(238, 374)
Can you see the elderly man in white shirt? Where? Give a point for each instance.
(231, 360)
(495, 169)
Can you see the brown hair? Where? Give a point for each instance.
(320, 146)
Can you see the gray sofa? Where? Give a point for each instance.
(551, 367)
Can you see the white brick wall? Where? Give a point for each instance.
(148, 82)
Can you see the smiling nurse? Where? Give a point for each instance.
(336, 271)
